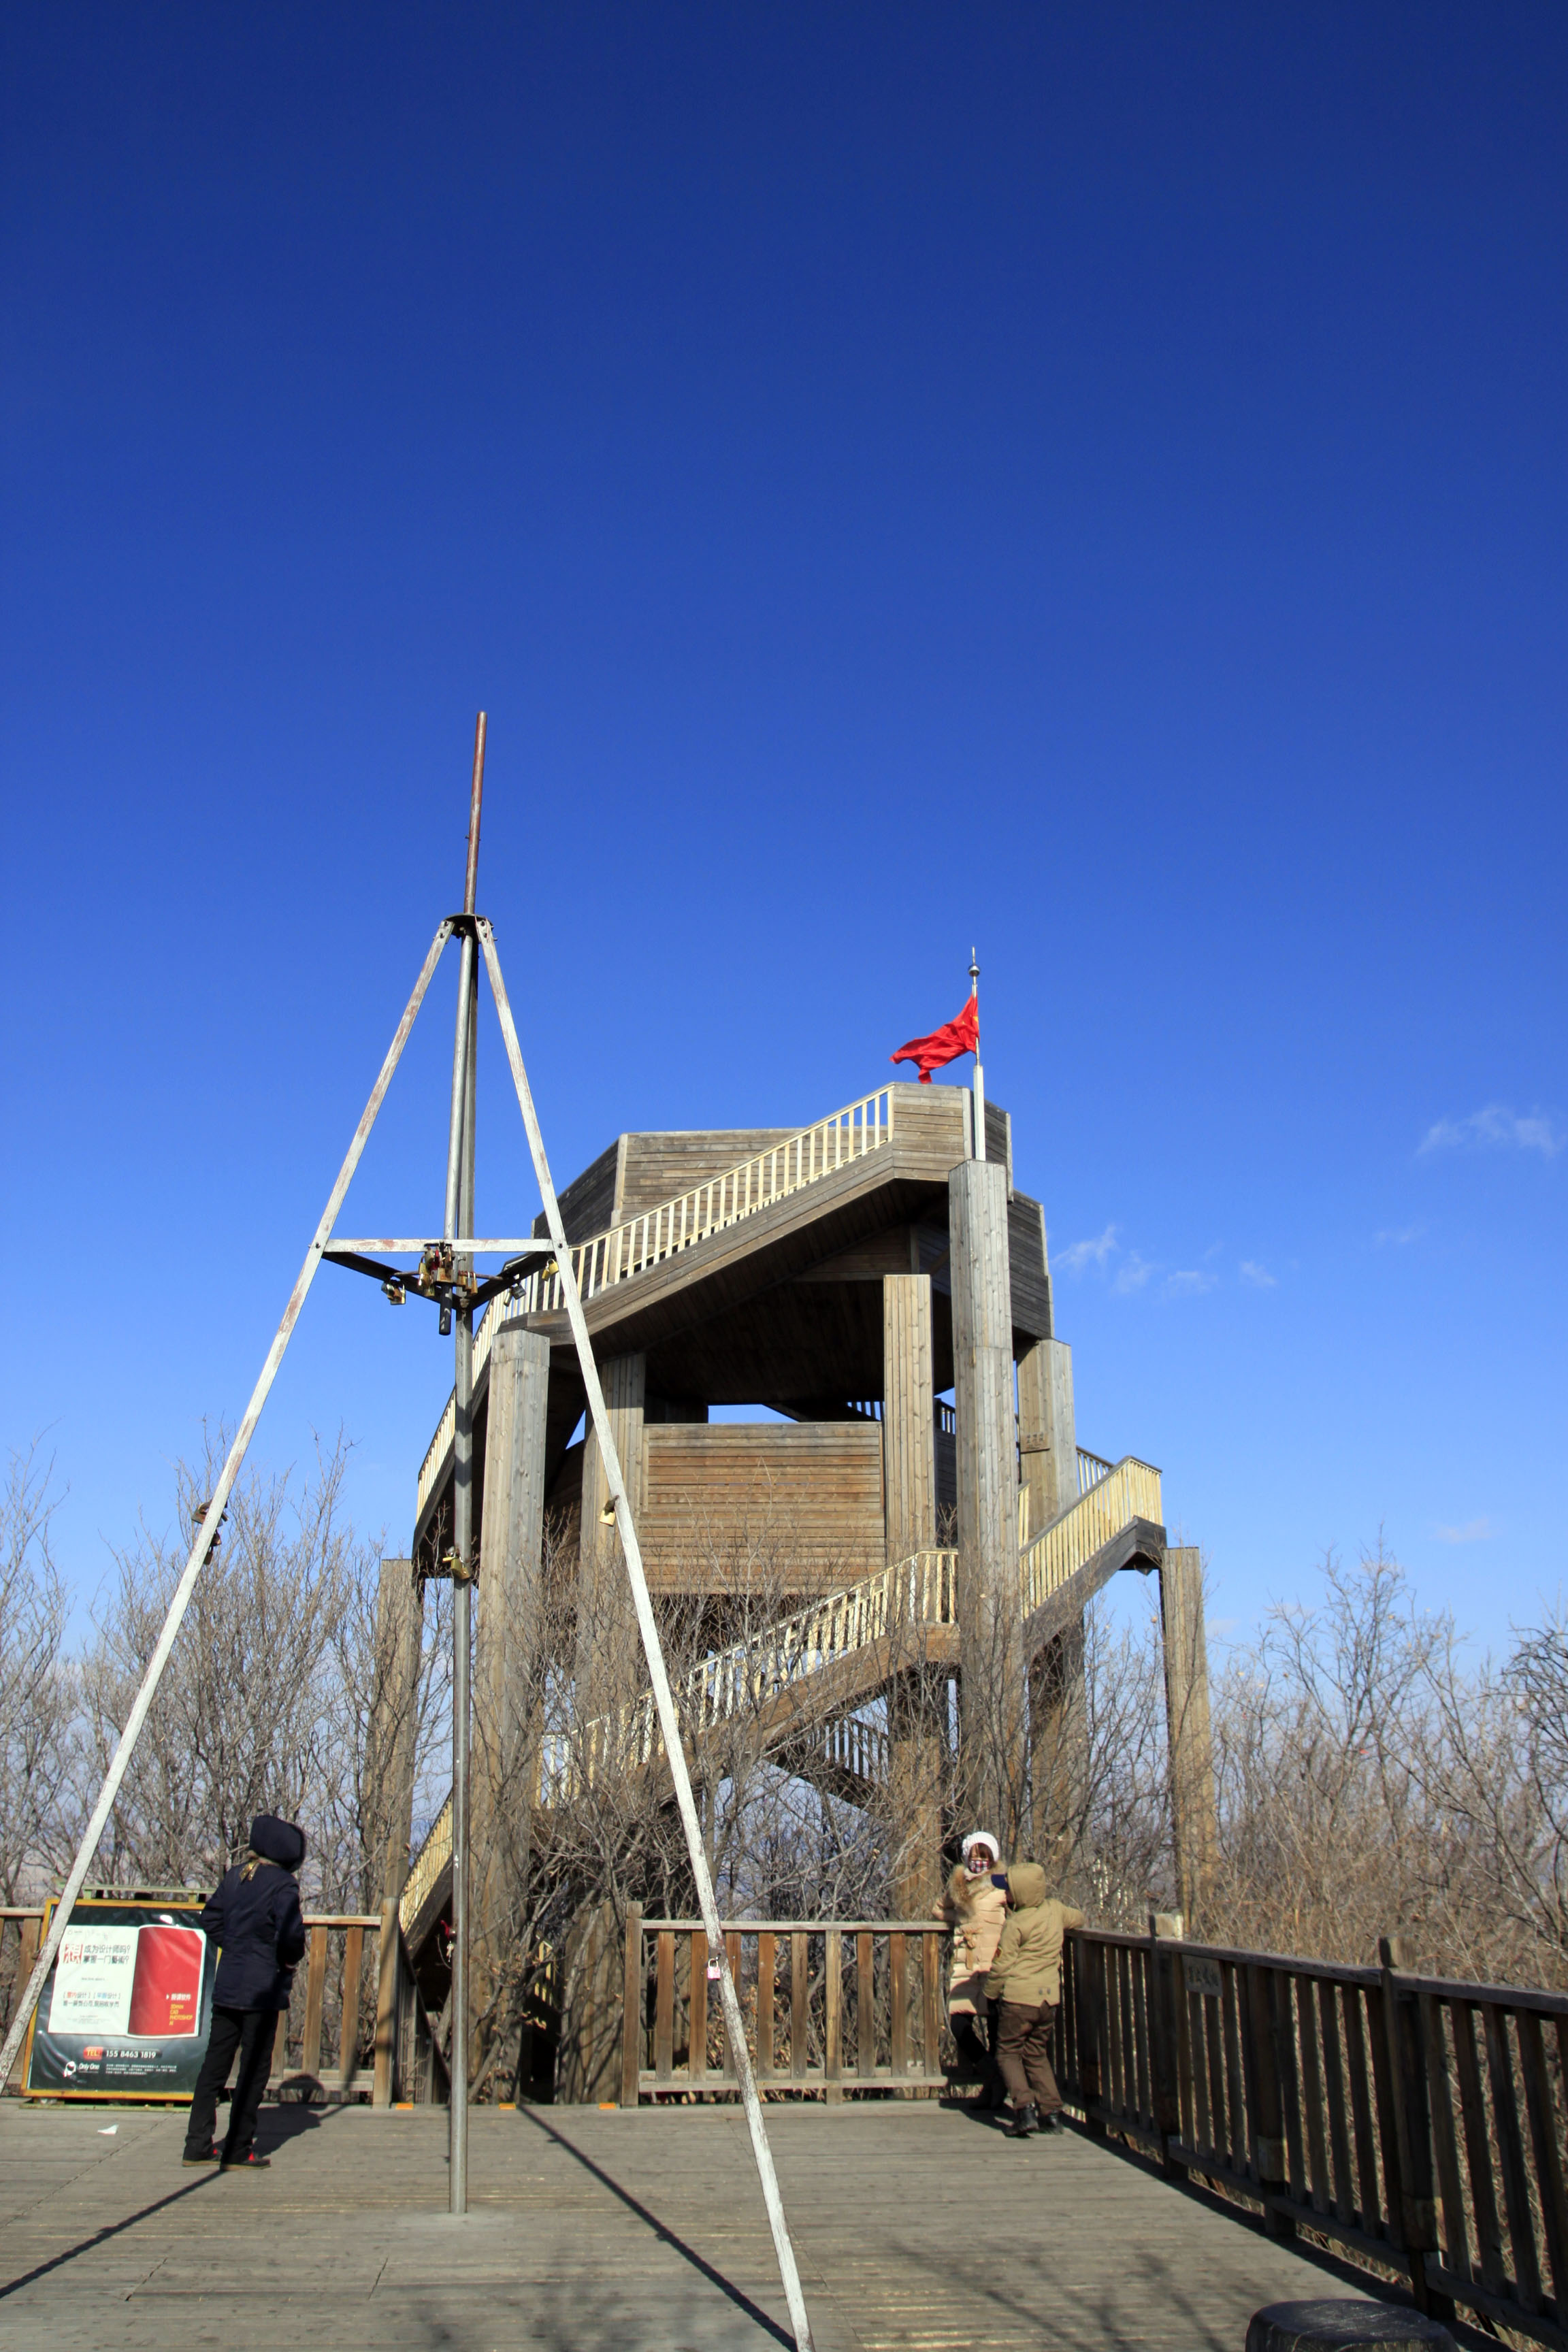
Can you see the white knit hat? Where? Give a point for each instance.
(980, 1837)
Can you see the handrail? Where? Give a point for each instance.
(637, 1243)
(1131, 1491)
(919, 1590)
(1416, 2121)
(830, 2007)
(434, 1853)
(1091, 1469)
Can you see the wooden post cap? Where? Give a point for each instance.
(1342, 2325)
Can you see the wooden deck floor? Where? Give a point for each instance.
(916, 2227)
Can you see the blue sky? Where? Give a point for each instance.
(1084, 480)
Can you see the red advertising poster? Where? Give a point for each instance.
(166, 1988)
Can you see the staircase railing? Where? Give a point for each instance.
(921, 1591)
(1131, 1491)
(638, 1243)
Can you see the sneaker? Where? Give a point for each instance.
(1023, 2124)
(200, 2156)
(249, 2162)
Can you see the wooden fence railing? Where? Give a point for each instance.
(329, 2041)
(598, 1263)
(1415, 2120)
(831, 2006)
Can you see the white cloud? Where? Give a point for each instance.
(1187, 1284)
(1133, 1276)
(1473, 1532)
(1495, 1127)
(1395, 1236)
(1094, 1253)
(1258, 1275)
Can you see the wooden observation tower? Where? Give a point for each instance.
(845, 1275)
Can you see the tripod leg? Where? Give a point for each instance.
(653, 1649)
(213, 1513)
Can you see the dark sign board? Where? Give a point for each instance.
(127, 2008)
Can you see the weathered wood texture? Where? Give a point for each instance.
(909, 1409)
(1194, 1817)
(390, 1739)
(1047, 1438)
(1058, 1743)
(1027, 1272)
(795, 1980)
(1352, 2101)
(804, 1497)
(609, 1654)
(507, 1723)
(991, 1701)
(616, 2232)
(588, 1202)
(656, 1168)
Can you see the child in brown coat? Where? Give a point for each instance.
(1026, 1981)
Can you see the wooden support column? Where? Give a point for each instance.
(990, 1698)
(389, 1743)
(509, 1685)
(609, 1655)
(908, 1413)
(1195, 1825)
(1058, 1749)
(1059, 1718)
(1048, 1440)
(909, 1489)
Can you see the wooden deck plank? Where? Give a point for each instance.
(631, 2228)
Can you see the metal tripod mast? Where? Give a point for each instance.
(447, 1276)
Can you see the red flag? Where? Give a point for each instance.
(944, 1045)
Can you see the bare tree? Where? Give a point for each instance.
(39, 1685)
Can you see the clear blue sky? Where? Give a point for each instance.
(1084, 480)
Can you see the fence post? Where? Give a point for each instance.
(1265, 2114)
(1092, 2036)
(1164, 2030)
(28, 1935)
(632, 2008)
(383, 2081)
(1413, 2198)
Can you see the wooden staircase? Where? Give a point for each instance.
(798, 1682)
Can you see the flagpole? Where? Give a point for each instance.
(978, 1073)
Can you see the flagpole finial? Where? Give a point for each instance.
(974, 975)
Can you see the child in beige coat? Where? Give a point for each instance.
(975, 1908)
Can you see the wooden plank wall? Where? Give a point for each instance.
(807, 1495)
(1026, 1267)
(931, 1123)
(658, 1167)
(588, 1204)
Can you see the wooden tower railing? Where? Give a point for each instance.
(630, 1247)
(1053, 1557)
(1413, 2119)
(830, 2006)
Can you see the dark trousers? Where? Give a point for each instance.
(1023, 2054)
(250, 2032)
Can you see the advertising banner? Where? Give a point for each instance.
(128, 2005)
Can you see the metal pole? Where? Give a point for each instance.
(664, 1701)
(978, 1073)
(213, 1515)
(459, 1219)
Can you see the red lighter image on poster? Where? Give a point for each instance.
(166, 1991)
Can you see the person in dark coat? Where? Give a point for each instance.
(255, 1920)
